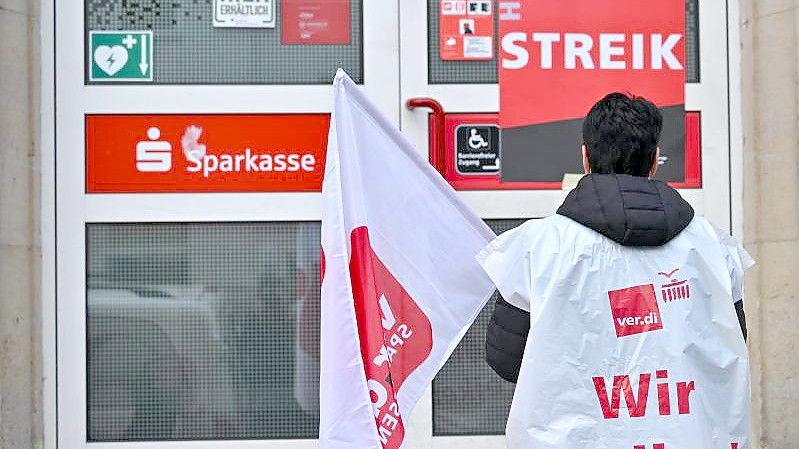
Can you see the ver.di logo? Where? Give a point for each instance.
(635, 310)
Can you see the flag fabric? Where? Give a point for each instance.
(400, 283)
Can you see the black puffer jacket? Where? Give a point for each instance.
(630, 210)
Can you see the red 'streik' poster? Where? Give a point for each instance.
(558, 58)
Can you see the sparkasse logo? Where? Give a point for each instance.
(635, 310)
(154, 155)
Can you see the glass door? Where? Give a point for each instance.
(468, 404)
(189, 150)
(187, 271)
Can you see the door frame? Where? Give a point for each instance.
(720, 197)
(67, 208)
(403, 27)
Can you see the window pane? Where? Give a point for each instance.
(455, 72)
(203, 331)
(210, 331)
(485, 72)
(188, 49)
(469, 398)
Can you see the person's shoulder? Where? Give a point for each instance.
(704, 228)
(551, 231)
(732, 248)
(525, 234)
(540, 227)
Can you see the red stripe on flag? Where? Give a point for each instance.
(395, 335)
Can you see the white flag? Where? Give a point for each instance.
(401, 285)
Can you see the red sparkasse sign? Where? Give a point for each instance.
(205, 153)
(558, 58)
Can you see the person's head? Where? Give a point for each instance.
(621, 134)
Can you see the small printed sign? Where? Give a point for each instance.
(121, 56)
(244, 13)
(466, 29)
(315, 22)
(477, 149)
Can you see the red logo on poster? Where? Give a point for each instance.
(395, 335)
(635, 310)
(205, 153)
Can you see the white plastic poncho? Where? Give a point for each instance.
(629, 347)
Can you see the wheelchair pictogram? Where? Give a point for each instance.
(477, 149)
(476, 140)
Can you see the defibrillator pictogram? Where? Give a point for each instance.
(675, 289)
(121, 56)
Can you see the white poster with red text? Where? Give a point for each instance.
(400, 283)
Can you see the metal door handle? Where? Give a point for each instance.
(436, 128)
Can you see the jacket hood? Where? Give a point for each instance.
(630, 210)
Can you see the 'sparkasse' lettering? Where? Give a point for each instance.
(252, 162)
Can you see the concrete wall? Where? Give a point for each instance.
(770, 73)
(20, 342)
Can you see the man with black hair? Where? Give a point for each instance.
(621, 287)
(623, 133)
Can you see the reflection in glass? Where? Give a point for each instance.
(211, 331)
(468, 397)
(203, 331)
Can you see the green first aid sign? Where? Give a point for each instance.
(121, 56)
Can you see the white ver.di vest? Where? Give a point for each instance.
(629, 347)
